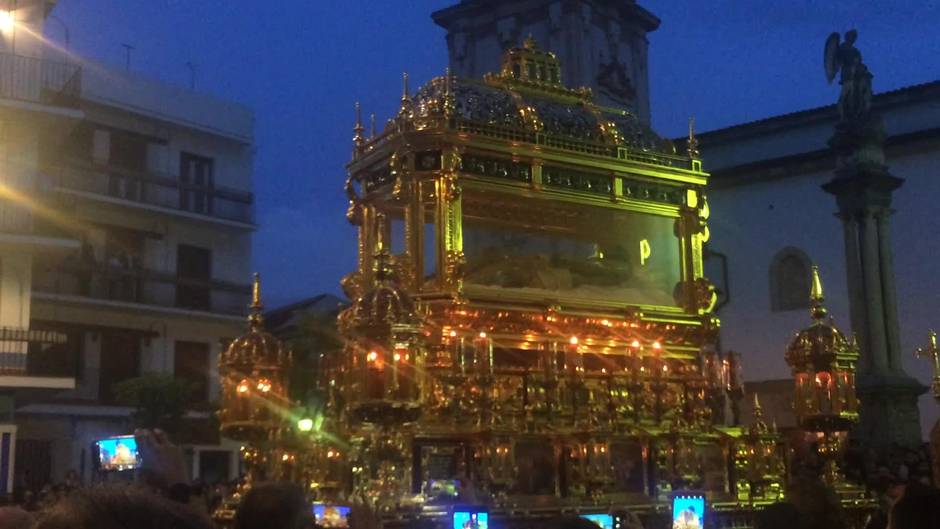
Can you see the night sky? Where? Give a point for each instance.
(301, 64)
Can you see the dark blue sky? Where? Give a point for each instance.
(301, 64)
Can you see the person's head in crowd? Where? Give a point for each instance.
(781, 515)
(817, 502)
(115, 507)
(918, 508)
(15, 518)
(273, 505)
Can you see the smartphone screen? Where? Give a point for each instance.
(604, 521)
(118, 453)
(465, 519)
(688, 512)
(331, 515)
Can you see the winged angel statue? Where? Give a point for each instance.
(855, 98)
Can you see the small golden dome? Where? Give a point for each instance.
(820, 345)
(258, 349)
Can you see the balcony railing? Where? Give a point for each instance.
(141, 286)
(14, 346)
(153, 189)
(39, 81)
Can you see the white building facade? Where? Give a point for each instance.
(134, 199)
(772, 220)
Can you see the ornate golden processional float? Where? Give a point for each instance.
(530, 328)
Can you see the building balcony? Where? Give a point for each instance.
(153, 192)
(39, 81)
(138, 289)
(16, 371)
(17, 231)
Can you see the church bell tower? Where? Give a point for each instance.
(603, 45)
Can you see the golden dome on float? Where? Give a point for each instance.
(258, 349)
(384, 305)
(526, 101)
(821, 344)
(822, 361)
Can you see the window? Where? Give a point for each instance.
(120, 361)
(191, 363)
(193, 270)
(196, 183)
(789, 280)
(57, 359)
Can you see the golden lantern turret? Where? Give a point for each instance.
(254, 408)
(823, 361)
(759, 468)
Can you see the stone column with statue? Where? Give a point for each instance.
(863, 187)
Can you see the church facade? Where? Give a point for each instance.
(772, 218)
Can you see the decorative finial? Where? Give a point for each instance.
(816, 297)
(932, 351)
(254, 316)
(759, 424)
(692, 146)
(405, 96)
(529, 43)
(372, 126)
(449, 104)
(357, 131)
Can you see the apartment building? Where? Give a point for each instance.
(126, 228)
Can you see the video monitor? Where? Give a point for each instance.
(117, 453)
(471, 519)
(604, 521)
(688, 511)
(331, 515)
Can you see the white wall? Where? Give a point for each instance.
(751, 223)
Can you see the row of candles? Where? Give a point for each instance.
(474, 354)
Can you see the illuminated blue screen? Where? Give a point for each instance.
(688, 512)
(604, 521)
(471, 520)
(118, 453)
(331, 515)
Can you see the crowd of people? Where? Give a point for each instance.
(165, 498)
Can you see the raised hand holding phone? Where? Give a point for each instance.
(162, 460)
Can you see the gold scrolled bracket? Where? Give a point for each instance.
(354, 211)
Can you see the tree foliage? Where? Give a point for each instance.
(159, 400)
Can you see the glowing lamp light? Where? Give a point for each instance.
(635, 344)
(242, 388)
(305, 424)
(397, 357)
(373, 356)
(264, 385)
(573, 340)
(657, 346)
(453, 334)
(7, 21)
(482, 335)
